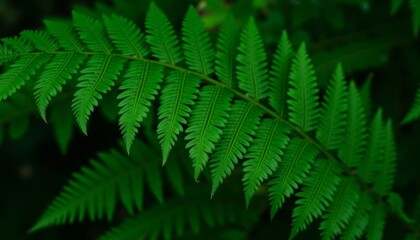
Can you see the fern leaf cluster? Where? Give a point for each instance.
(235, 110)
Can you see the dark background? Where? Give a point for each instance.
(361, 34)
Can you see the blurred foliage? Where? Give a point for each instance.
(362, 34)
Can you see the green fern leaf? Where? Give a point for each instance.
(41, 40)
(139, 88)
(385, 179)
(199, 53)
(65, 35)
(6, 54)
(376, 224)
(62, 123)
(292, 170)
(280, 74)
(19, 44)
(113, 176)
(415, 8)
(161, 36)
(126, 36)
(333, 113)
(237, 136)
(60, 69)
(263, 155)
(251, 71)
(205, 125)
(315, 197)
(414, 112)
(227, 50)
(359, 220)
(98, 78)
(355, 136)
(92, 33)
(20, 72)
(374, 155)
(365, 94)
(176, 100)
(341, 209)
(303, 104)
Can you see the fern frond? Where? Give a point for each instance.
(227, 50)
(199, 53)
(415, 8)
(376, 224)
(93, 192)
(292, 170)
(374, 155)
(97, 79)
(176, 100)
(65, 35)
(317, 194)
(92, 33)
(303, 105)
(385, 179)
(41, 40)
(174, 218)
(251, 70)
(333, 113)
(19, 72)
(208, 118)
(161, 36)
(59, 70)
(63, 125)
(355, 136)
(263, 155)
(358, 222)
(6, 54)
(19, 44)
(414, 112)
(341, 209)
(126, 36)
(139, 88)
(236, 138)
(280, 74)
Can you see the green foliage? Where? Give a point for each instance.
(233, 110)
(414, 112)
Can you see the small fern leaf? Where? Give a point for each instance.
(92, 33)
(227, 49)
(359, 220)
(237, 136)
(374, 155)
(303, 105)
(199, 53)
(341, 209)
(139, 88)
(365, 94)
(19, 72)
(251, 70)
(280, 74)
(19, 44)
(355, 136)
(208, 118)
(415, 8)
(126, 36)
(97, 78)
(375, 228)
(112, 176)
(414, 112)
(292, 170)
(161, 36)
(176, 100)
(385, 179)
(333, 113)
(6, 54)
(56, 73)
(41, 40)
(263, 155)
(315, 197)
(65, 35)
